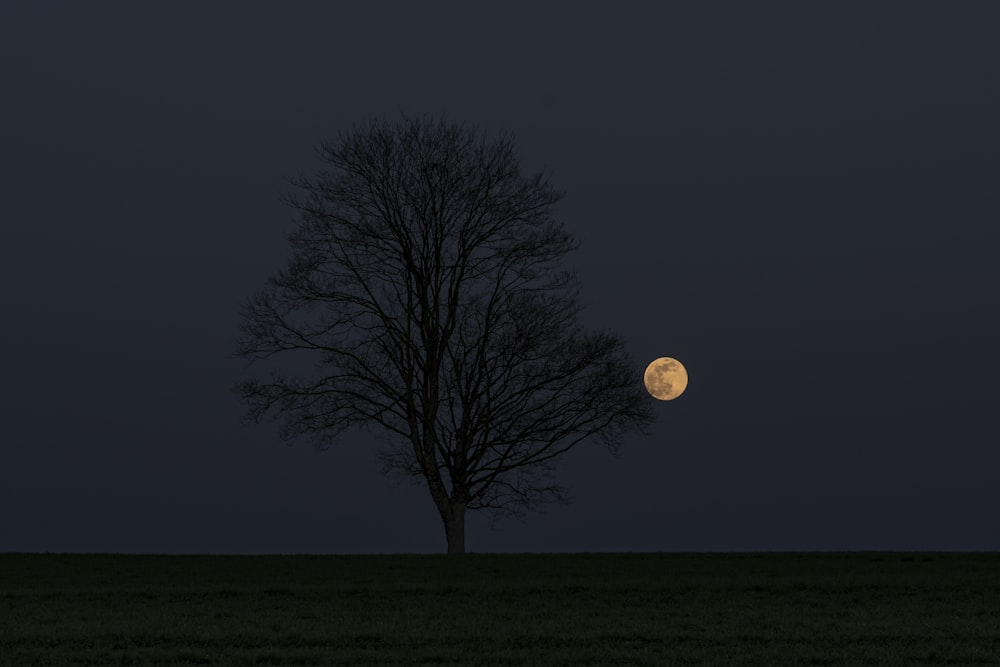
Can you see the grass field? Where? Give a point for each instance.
(576, 609)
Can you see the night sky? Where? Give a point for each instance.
(799, 201)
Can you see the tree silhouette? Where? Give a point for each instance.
(426, 280)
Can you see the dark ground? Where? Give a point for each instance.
(514, 609)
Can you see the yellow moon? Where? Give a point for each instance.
(665, 378)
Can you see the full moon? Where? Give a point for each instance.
(665, 378)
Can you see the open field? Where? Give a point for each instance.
(576, 609)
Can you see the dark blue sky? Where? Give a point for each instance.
(800, 202)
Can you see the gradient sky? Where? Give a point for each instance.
(799, 201)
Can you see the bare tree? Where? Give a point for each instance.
(426, 279)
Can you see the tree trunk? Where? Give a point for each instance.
(454, 528)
